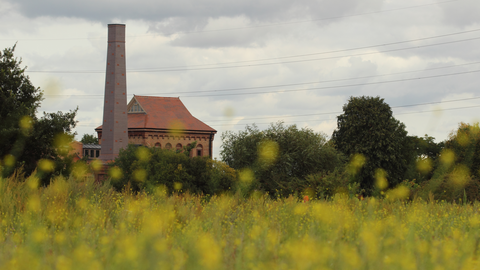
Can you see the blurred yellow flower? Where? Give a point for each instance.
(176, 128)
(9, 160)
(177, 186)
(268, 152)
(210, 252)
(398, 193)
(140, 175)
(381, 179)
(356, 163)
(142, 153)
(447, 157)
(424, 165)
(96, 165)
(460, 176)
(246, 176)
(26, 124)
(115, 173)
(46, 165)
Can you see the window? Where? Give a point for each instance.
(92, 153)
(135, 108)
(168, 146)
(85, 152)
(179, 147)
(158, 145)
(199, 150)
(97, 153)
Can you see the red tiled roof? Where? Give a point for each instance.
(164, 113)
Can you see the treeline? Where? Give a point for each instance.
(369, 154)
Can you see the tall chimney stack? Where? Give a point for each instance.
(115, 125)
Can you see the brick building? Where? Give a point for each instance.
(164, 122)
(80, 150)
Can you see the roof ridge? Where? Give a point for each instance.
(158, 97)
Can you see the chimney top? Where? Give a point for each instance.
(116, 33)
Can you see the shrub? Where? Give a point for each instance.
(456, 175)
(326, 185)
(446, 189)
(145, 168)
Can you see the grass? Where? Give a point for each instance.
(83, 225)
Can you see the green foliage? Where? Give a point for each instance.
(426, 147)
(24, 138)
(465, 144)
(447, 190)
(188, 148)
(279, 157)
(426, 153)
(149, 168)
(18, 96)
(457, 175)
(367, 127)
(89, 139)
(327, 185)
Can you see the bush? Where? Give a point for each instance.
(326, 185)
(456, 175)
(465, 144)
(143, 168)
(446, 189)
(278, 159)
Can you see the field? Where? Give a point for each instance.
(83, 225)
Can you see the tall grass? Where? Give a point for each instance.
(85, 225)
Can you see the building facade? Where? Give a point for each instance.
(165, 122)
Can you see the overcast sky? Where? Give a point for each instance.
(234, 63)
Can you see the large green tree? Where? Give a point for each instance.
(280, 157)
(89, 139)
(24, 137)
(367, 127)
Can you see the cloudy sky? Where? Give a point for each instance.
(234, 63)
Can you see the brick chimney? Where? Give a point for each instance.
(115, 126)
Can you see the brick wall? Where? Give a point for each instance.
(150, 139)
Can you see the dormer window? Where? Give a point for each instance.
(136, 108)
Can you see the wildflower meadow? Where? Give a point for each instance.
(80, 224)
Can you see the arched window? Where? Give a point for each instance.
(168, 146)
(158, 145)
(199, 150)
(179, 147)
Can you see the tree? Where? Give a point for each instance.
(280, 157)
(89, 139)
(457, 172)
(465, 145)
(367, 127)
(426, 152)
(25, 138)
